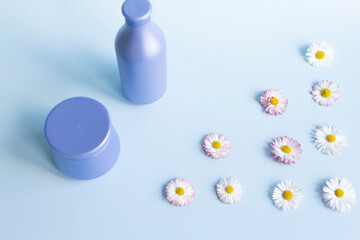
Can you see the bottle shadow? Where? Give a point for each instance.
(86, 67)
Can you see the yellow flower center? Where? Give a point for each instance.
(180, 191)
(216, 144)
(274, 101)
(320, 55)
(331, 138)
(339, 193)
(326, 93)
(288, 195)
(286, 149)
(229, 189)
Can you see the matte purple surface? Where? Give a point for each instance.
(77, 126)
(140, 47)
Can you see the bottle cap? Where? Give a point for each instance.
(137, 12)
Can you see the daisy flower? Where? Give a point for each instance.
(330, 139)
(286, 150)
(339, 194)
(287, 195)
(216, 145)
(320, 55)
(326, 93)
(273, 102)
(229, 190)
(179, 192)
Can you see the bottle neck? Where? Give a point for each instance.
(137, 24)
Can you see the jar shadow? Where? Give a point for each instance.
(28, 143)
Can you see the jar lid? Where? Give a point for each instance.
(78, 126)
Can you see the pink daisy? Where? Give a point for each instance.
(326, 93)
(273, 102)
(286, 150)
(179, 192)
(216, 145)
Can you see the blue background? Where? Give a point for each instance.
(221, 56)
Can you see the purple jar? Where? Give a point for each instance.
(83, 141)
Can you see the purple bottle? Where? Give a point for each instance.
(141, 54)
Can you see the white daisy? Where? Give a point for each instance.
(339, 194)
(216, 145)
(179, 192)
(330, 139)
(320, 55)
(229, 190)
(287, 195)
(326, 93)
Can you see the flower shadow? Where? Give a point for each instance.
(201, 142)
(267, 150)
(270, 190)
(257, 96)
(303, 50)
(318, 190)
(312, 133)
(163, 191)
